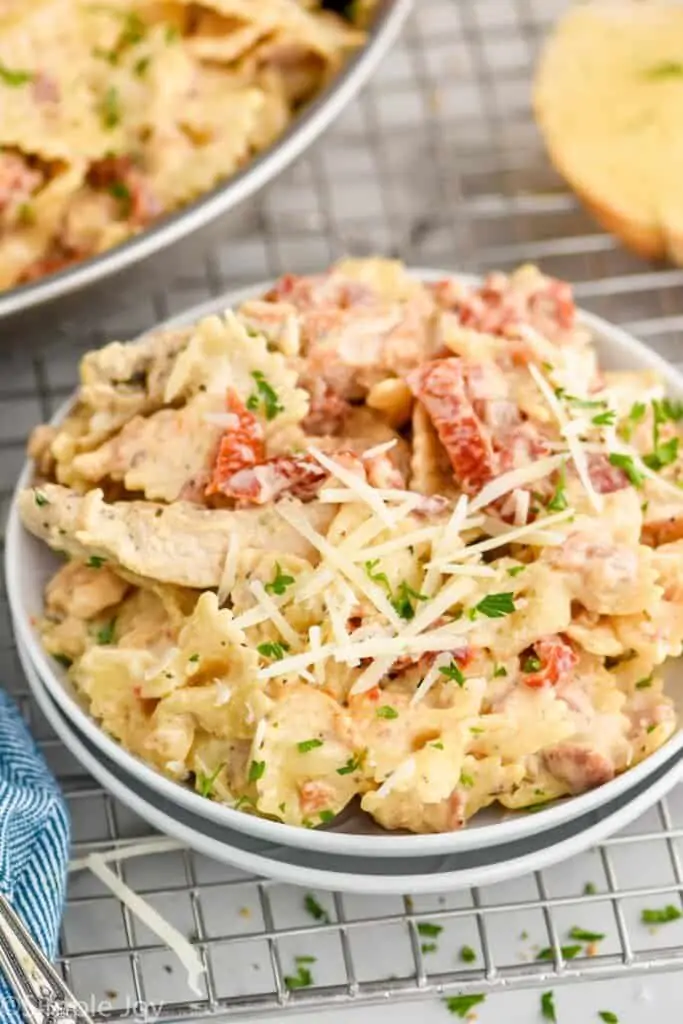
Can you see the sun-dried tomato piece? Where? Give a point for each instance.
(241, 446)
(557, 660)
(439, 385)
(605, 477)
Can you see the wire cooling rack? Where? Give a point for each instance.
(439, 163)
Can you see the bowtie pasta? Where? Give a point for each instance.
(115, 113)
(369, 539)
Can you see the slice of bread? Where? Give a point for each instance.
(609, 103)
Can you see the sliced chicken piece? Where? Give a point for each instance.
(83, 591)
(181, 543)
(580, 767)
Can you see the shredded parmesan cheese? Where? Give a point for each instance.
(362, 491)
(273, 613)
(521, 502)
(146, 913)
(508, 535)
(229, 574)
(315, 642)
(428, 681)
(514, 479)
(405, 771)
(379, 449)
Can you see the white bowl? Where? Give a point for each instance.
(29, 564)
(376, 875)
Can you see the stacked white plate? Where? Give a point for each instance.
(352, 854)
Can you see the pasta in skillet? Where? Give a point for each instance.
(114, 113)
(366, 538)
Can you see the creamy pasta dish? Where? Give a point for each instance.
(114, 113)
(369, 539)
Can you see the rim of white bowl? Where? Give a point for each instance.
(516, 826)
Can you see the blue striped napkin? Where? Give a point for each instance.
(34, 839)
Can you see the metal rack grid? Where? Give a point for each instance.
(439, 163)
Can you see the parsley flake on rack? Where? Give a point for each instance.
(303, 977)
(494, 606)
(590, 889)
(313, 908)
(460, 1006)
(256, 770)
(467, 955)
(663, 916)
(14, 77)
(629, 467)
(265, 394)
(608, 1017)
(548, 1006)
(386, 711)
(205, 782)
(274, 649)
(428, 947)
(568, 953)
(428, 930)
(278, 585)
(307, 745)
(581, 935)
(452, 672)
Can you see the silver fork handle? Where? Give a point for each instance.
(41, 994)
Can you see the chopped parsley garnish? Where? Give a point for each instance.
(428, 947)
(317, 912)
(429, 930)
(580, 403)
(460, 1006)
(377, 577)
(279, 583)
(265, 394)
(326, 817)
(386, 711)
(306, 959)
(256, 770)
(499, 671)
(274, 649)
(532, 664)
(13, 77)
(466, 780)
(495, 606)
(105, 635)
(110, 108)
(63, 659)
(666, 452)
(515, 570)
(172, 33)
(307, 745)
(665, 69)
(140, 67)
(402, 601)
(590, 889)
(133, 30)
(548, 1006)
(558, 502)
(437, 746)
(120, 191)
(608, 1017)
(467, 955)
(663, 916)
(353, 764)
(26, 214)
(205, 782)
(452, 672)
(568, 953)
(629, 467)
(581, 935)
(605, 419)
(40, 499)
(95, 562)
(637, 412)
(646, 683)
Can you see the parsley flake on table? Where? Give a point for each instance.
(307, 745)
(279, 583)
(452, 672)
(548, 1006)
(608, 1017)
(581, 935)
(205, 782)
(386, 711)
(265, 394)
(14, 77)
(256, 770)
(312, 907)
(428, 930)
(568, 953)
(629, 467)
(460, 1006)
(661, 916)
(274, 649)
(495, 606)
(303, 977)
